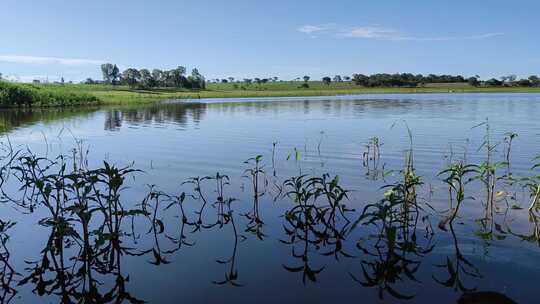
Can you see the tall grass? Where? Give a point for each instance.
(26, 95)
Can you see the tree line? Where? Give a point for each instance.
(398, 80)
(144, 78)
(411, 80)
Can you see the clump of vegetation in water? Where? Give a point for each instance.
(395, 243)
(86, 217)
(92, 229)
(317, 221)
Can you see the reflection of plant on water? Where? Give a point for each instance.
(92, 230)
(315, 225)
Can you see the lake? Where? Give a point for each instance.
(290, 200)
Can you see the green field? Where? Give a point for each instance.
(78, 94)
(122, 94)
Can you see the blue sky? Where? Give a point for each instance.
(287, 39)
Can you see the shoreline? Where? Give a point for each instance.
(121, 95)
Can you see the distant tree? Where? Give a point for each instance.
(107, 72)
(473, 81)
(493, 82)
(110, 72)
(509, 78)
(115, 76)
(347, 78)
(131, 76)
(327, 80)
(0, 76)
(224, 81)
(89, 81)
(360, 79)
(257, 80)
(231, 79)
(62, 80)
(306, 78)
(248, 81)
(157, 76)
(197, 80)
(524, 83)
(535, 81)
(337, 78)
(147, 80)
(274, 79)
(177, 77)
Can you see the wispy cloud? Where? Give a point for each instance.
(381, 33)
(310, 29)
(313, 30)
(473, 37)
(369, 32)
(48, 60)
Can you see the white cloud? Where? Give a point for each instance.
(312, 30)
(368, 32)
(473, 37)
(48, 60)
(381, 33)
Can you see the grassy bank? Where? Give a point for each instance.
(78, 94)
(26, 95)
(122, 94)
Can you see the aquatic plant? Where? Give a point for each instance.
(85, 212)
(257, 177)
(7, 272)
(178, 200)
(317, 221)
(508, 140)
(455, 176)
(199, 194)
(231, 276)
(457, 266)
(373, 151)
(533, 183)
(486, 173)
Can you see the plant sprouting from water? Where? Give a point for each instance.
(455, 176)
(257, 177)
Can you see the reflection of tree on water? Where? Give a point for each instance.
(13, 118)
(179, 113)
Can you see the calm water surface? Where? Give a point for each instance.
(174, 141)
